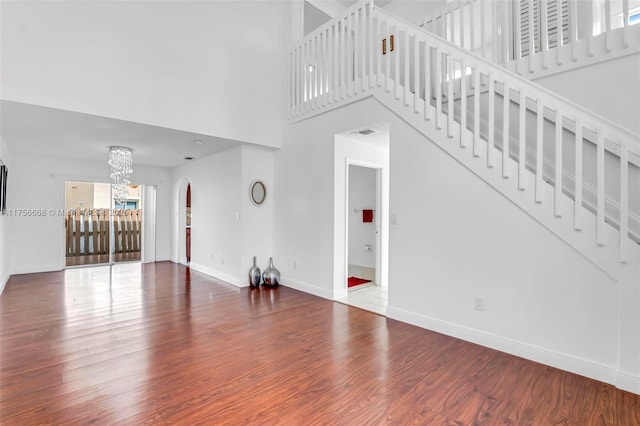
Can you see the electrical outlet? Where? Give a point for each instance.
(478, 303)
(295, 265)
(394, 218)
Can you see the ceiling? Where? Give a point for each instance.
(31, 129)
(332, 8)
(379, 3)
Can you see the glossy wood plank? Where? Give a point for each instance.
(160, 344)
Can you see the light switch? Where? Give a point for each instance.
(394, 218)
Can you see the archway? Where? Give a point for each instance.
(183, 188)
(188, 225)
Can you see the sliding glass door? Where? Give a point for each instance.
(99, 230)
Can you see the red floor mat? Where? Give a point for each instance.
(354, 281)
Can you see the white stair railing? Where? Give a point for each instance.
(331, 64)
(506, 32)
(508, 122)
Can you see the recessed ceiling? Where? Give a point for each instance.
(37, 130)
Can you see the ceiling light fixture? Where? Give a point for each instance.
(121, 163)
(197, 142)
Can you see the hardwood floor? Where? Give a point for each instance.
(97, 259)
(160, 344)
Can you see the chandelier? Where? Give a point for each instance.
(121, 162)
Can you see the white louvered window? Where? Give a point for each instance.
(527, 21)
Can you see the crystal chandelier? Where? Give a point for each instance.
(121, 162)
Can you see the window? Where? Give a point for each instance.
(551, 24)
(129, 205)
(634, 16)
(616, 17)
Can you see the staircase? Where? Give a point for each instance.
(575, 172)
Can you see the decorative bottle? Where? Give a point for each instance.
(271, 276)
(254, 275)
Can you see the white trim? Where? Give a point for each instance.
(224, 276)
(35, 269)
(307, 288)
(149, 226)
(335, 105)
(4, 282)
(594, 370)
(628, 382)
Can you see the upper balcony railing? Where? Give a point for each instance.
(507, 31)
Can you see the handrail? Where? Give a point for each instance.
(345, 13)
(502, 73)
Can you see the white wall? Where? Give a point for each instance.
(414, 11)
(189, 65)
(305, 206)
(37, 243)
(362, 195)
(257, 221)
(313, 18)
(223, 220)
(456, 238)
(215, 200)
(610, 88)
(6, 157)
(303, 211)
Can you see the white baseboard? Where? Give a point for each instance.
(3, 283)
(628, 382)
(602, 372)
(34, 269)
(307, 288)
(224, 276)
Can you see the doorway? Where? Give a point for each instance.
(98, 230)
(361, 217)
(188, 224)
(183, 231)
(363, 231)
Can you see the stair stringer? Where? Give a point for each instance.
(606, 256)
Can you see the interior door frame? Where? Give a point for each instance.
(376, 217)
